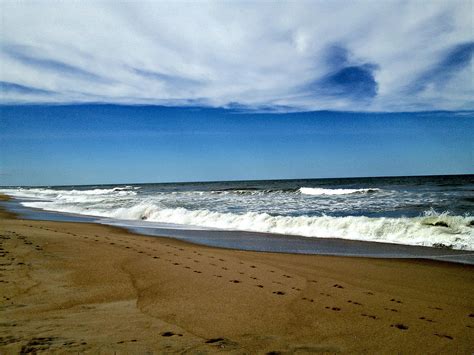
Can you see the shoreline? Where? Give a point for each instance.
(257, 241)
(77, 287)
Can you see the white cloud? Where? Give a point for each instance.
(262, 54)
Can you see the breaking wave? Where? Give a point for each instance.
(321, 191)
(301, 190)
(431, 229)
(273, 209)
(56, 193)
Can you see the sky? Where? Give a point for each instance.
(142, 91)
(280, 55)
(92, 144)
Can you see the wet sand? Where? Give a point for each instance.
(79, 287)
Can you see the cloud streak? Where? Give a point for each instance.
(454, 61)
(279, 56)
(12, 88)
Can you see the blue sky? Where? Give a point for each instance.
(90, 144)
(172, 91)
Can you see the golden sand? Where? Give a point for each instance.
(76, 287)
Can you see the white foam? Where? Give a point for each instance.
(409, 231)
(56, 193)
(321, 191)
(123, 203)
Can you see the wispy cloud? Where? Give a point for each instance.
(278, 56)
(12, 88)
(23, 56)
(455, 60)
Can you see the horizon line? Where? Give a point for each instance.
(250, 180)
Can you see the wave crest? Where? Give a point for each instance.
(57, 193)
(321, 191)
(429, 230)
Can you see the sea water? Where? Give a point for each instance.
(426, 211)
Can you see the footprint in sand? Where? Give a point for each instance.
(337, 309)
(444, 336)
(307, 299)
(399, 326)
(337, 286)
(235, 281)
(260, 286)
(391, 309)
(394, 300)
(371, 316)
(355, 303)
(280, 293)
(170, 334)
(426, 319)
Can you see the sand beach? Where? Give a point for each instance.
(87, 288)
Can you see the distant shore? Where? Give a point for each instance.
(80, 287)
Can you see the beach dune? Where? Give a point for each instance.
(89, 288)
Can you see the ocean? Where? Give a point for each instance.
(433, 211)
